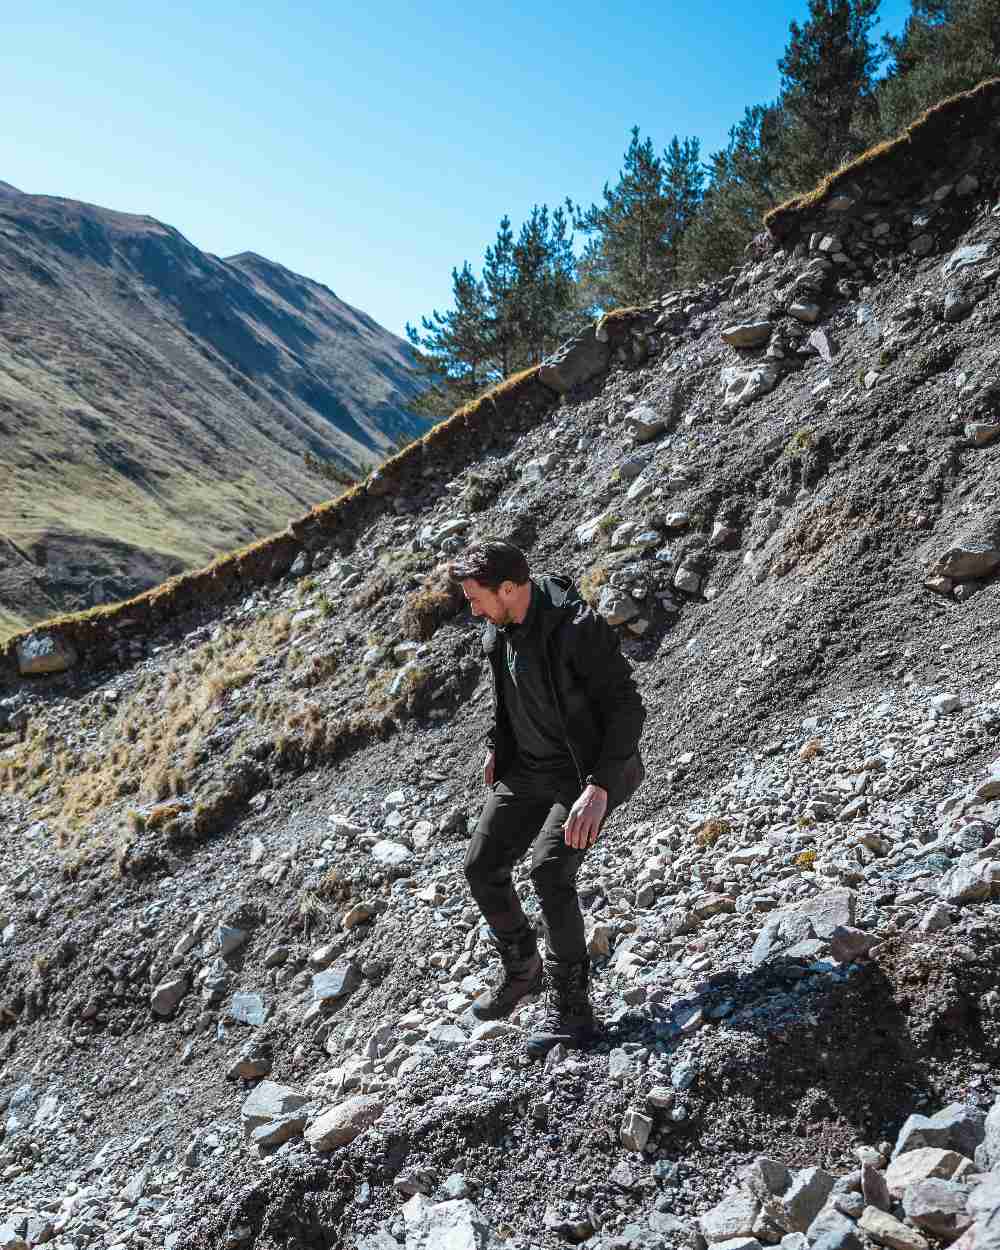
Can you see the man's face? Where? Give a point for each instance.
(489, 603)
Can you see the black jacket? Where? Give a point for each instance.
(592, 688)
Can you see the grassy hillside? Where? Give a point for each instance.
(155, 401)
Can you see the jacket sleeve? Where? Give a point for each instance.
(606, 677)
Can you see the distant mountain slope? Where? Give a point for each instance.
(155, 400)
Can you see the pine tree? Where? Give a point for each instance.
(500, 278)
(947, 46)
(546, 271)
(827, 81)
(742, 186)
(683, 183)
(454, 352)
(627, 256)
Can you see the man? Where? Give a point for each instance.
(562, 753)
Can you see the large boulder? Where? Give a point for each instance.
(955, 1127)
(341, 1124)
(747, 334)
(805, 927)
(971, 556)
(269, 1102)
(922, 1164)
(734, 1216)
(454, 1225)
(938, 1207)
(742, 386)
(582, 358)
(44, 653)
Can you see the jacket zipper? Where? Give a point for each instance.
(562, 720)
(555, 703)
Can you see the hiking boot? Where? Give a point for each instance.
(569, 1017)
(522, 975)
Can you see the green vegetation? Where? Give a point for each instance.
(802, 441)
(524, 304)
(669, 220)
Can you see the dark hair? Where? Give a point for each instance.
(490, 562)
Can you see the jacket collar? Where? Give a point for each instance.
(553, 599)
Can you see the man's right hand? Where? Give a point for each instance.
(488, 768)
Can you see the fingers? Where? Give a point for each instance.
(581, 829)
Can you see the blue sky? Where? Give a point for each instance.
(371, 147)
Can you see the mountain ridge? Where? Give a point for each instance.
(168, 394)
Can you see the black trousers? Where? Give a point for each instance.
(524, 811)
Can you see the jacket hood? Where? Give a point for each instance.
(558, 599)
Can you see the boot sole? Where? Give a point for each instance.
(535, 988)
(539, 1047)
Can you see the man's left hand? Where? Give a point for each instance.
(584, 820)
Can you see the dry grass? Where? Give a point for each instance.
(711, 830)
(591, 583)
(151, 745)
(426, 609)
(810, 749)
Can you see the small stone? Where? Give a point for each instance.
(831, 1230)
(341, 1124)
(277, 1132)
(957, 305)
(805, 1196)
(734, 1216)
(617, 607)
(248, 1009)
(848, 945)
(228, 939)
(922, 245)
(768, 1178)
(599, 940)
(620, 1066)
(455, 1186)
(874, 1187)
(253, 1062)
(888, 1231)
(936, 918)
(635, 1130)
(973, 556)
(747, 334)
(269, 1101)
(660, 1097)
(336, 983)
(644, 424)
(44, 653)
(390, 854)
(982, 433)
(165, 999)
(453, 1225)
(803, 310)
(359, 914)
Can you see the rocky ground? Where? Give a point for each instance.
(237, 950)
